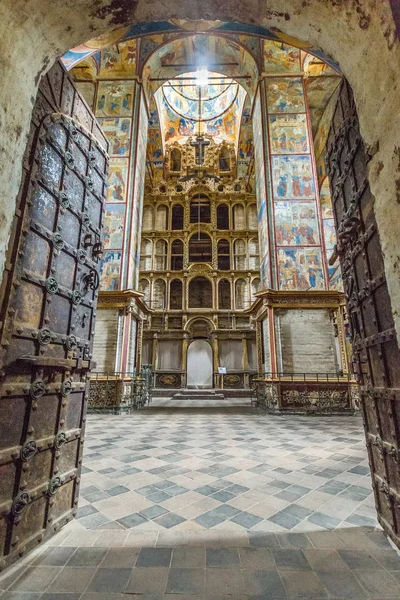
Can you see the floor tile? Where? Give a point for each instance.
(303, 584)
(267, 584)
(72, 580)
(222, 557)
(188, 558)
(154, 557)
(185, 581)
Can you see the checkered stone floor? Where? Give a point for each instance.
(216, 503)
(192, 468)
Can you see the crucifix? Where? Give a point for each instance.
(200, 144)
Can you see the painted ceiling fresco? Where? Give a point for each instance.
(184, 54)
(246, 34)
(321, 83)
(216, 112)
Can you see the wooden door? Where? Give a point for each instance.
(48, 303)
(376, 355)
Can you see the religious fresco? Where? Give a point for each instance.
(285, 95)
(280, 58)
(115, 98)
(178, 127)
(300, 269)
(329, 235)
(326, 200)
(119, 61)
(87, 70)
(113, 231)
(137, 199)
(336, 280)
(261, 194)
(245, 143)
(187, 50)
(314, 66)
(288, 134)
(88, 91)
(321, 167)
(296, 223)
(292, 177)
(117, 180)
(118, 133)
(110, 269)
(319, 91)
(183, 96)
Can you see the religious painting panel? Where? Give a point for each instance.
(296, 223)
(335, 277)
(329, 235)
(265, 272)
(292, 177)
(110, 267)
(118, 133)
(321, 168)
(285, 95)
(261, 191)
(288, 134)
(117, 180)
(326, 200)
(138, 190)
(115, 98)
(280, 58)
(113, 233)
(119, 61)
(300, 269)
(245, 143)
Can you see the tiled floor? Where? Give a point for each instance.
(207, 502)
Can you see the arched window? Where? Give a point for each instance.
(200, 293)
(239, 221)
(224, 160)
(147, 218)
(254, 257)
(252, 216)
(175, 294)
(255, 287)
(241, 294)
(146, 255)
(224, 259)
(158, 295)
(175, 160)
(200, 248)
(161, 255)
(200, 209)
(144, 288)
(223, 216)
(162, 218)
(177, 255)
(177, 216)
(240, 255)
(224, 295)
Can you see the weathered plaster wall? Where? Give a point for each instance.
(359, 35)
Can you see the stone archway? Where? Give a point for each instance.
(352, 35)
(359, 38)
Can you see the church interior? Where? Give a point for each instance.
(199, 360)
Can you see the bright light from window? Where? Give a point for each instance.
(202, 77)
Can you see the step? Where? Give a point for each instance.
(198, 395)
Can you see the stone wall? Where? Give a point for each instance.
(306, 340)
(105, 340)
(361, 37)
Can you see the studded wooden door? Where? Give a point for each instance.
(376, 356)
(48, 302)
